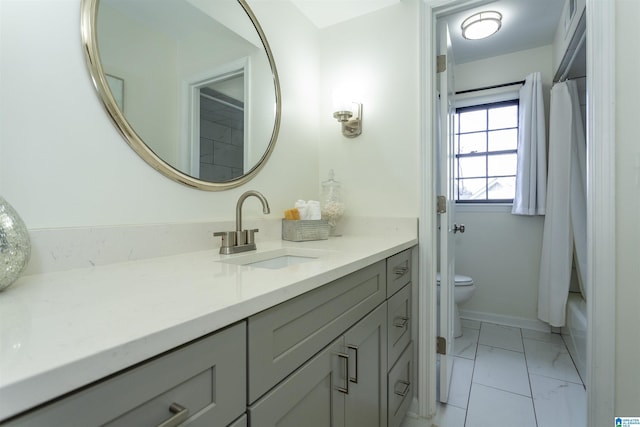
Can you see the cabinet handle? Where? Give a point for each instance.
(181, 415)
(404, 388)
(355, 349)
(345, 356)
(400, 271)
(400, 322)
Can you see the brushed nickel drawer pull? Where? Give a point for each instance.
(400, 322)
(355, 349)
(181, 415)
(404, 388)
(344, 356)
(400, 271)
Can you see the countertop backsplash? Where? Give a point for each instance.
(62, 249)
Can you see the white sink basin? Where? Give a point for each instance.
(281, 262)
(276, 259)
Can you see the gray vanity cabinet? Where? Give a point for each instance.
(400, 387)
(284, 337)
(202, 382)
(309, 397)
(400, 348)
(366, 345)
(339, 355)
(240, 422)
(398, 271)
(343, 385)
(399, 323)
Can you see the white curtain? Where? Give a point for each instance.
(531, 173)
(566, 204)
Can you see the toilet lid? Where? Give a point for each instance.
(460, 280)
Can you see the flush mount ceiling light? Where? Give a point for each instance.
(481, 25)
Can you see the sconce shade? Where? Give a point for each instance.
(481, 25)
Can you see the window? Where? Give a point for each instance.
(486, 143)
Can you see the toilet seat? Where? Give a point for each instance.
(460, 280)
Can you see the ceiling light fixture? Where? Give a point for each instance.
(481, 25)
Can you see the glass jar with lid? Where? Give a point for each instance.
(331, 203)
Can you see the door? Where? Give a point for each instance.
(446, 207)
(366, 344)
(313, 396)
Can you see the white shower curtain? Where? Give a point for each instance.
(566, 204)
(531, 173)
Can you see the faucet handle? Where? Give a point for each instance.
(228, 238)
(250, 236)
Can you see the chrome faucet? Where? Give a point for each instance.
(241, 240)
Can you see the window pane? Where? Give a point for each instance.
(472, 189)
(502, 164)
(472, 167)
(503, 140)
(473, 143)
(473, 121)
(502, 188)
(503, 117)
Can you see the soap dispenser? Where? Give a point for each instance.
(331, 203)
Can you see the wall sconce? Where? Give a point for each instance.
(350, 115)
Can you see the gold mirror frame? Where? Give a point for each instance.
(88, 28)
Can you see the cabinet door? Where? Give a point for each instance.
(366, 344)
(310, 397)
(240, 422)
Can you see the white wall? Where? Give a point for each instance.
(64, 164)
(377, 56)
(627, 286)
(150, 85)
(501, 251)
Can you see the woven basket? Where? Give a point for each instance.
(304, 230)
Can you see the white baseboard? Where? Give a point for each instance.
(500, 319)
(412, 412)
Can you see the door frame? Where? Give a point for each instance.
(190, 108)
(600, 15)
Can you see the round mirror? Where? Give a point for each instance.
(191, 85)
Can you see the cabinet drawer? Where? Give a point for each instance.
(206, 377)
(287, 335)
(398, 271)
(400, 391)
(398, 323)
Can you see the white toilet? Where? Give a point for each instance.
(463, 291)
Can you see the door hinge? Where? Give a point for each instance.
(441, 345)
(441, 205)
(441, 63)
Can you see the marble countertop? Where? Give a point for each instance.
(63, 330)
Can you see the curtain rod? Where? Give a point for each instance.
(490, 87)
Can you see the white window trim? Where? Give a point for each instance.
(487, 96)
(483, 207)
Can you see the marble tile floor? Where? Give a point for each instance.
(510, 376)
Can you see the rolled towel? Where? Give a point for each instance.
(314, 212)
(303, 209)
